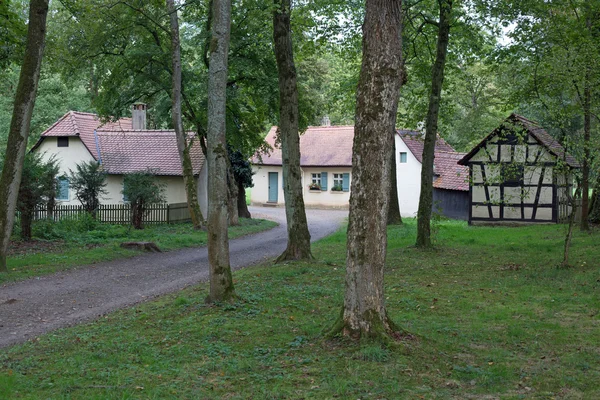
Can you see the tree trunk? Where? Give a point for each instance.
(431, 127)
(19, 125)
(221, 281)
(594, 214)
(573, 201)
(243, 211)
(137, 214)
(183, 146)
(585, 167)
(394, 217)
(26, 221)
(298, 246)
(364, 314)
(232, 201)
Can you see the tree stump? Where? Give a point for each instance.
(142, 246)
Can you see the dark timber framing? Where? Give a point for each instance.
(514, 174)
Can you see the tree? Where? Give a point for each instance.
(221, 281)
(298, 246)
(88, 182)
(431, 127)
(21, 118)
(141, 189)
(242, 172)
(394, 216)
(364, 314)
(183, 145)
(37, 187)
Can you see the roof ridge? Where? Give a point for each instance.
(74, 123)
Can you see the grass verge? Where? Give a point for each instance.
(83, 247)
(492, 314)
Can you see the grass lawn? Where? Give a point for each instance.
(492, 317)
(81, 245)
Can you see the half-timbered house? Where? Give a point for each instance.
(519, 173)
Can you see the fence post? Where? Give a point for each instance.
(168, 213)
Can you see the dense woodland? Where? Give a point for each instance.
(230, 70)
(101, 56)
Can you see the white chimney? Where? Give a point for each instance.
(325, 121)
(138, 116)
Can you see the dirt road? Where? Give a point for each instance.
(39, 305)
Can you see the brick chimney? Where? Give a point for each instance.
(138, 116)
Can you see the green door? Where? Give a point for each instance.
(273, 188)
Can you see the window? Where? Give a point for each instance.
(403, 158)
(338, 182)
(62, 141)
(512, 174)
(316, 179)
(62, 190)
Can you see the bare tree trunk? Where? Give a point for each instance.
(394, 217)
(243, 211)
(573, 201)
(298, 246)
(585, 167)
(431, 127)
(26, 221)
(232, 201)
(221, 281)
(183, 146)
(19, 125)
(594, 214)
(364, 314)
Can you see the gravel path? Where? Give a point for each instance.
(39, 305)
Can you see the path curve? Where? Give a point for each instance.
(35, 306)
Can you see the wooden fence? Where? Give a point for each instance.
(121, 213)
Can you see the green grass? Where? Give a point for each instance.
(102, 243)
(492, 315)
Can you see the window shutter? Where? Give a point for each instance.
(323, 180)
(346, 182)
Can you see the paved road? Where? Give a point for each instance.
(39, 305)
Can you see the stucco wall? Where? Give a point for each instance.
(408, 179)
(68, 158)
(174, 189)
(325, 198)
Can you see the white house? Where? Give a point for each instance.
(121, 147)
(326, 160)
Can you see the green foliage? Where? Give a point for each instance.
(140, 189)
(88, 182)
(12, 31)
(38, 186)
(242, 169)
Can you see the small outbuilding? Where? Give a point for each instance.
(519, 173)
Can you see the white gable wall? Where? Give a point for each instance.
(68, 158)
(408, 180)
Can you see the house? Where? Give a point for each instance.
(326, 163)
(519, 173)
(121, 147)
(450, 180)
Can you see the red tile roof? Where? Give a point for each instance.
(127, 151)
(320, 146)
(450, 175)
(331, 146)
(83, 125)
(543, 137)
(415, 140)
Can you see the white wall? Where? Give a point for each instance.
(174, 189)
(408, 180)
(325, 199)
(68, 158)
